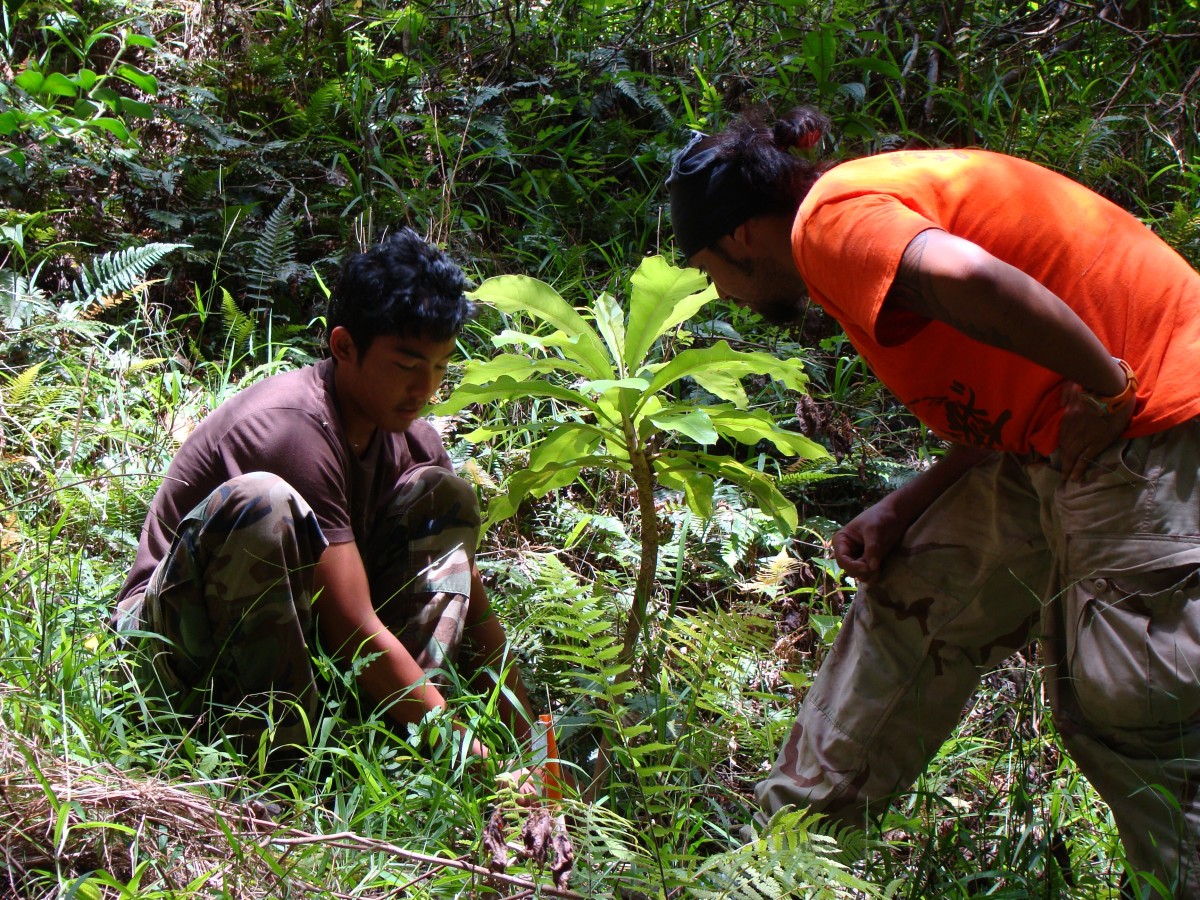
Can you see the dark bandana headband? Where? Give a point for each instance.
(710, 197)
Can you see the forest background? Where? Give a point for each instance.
(178, 181)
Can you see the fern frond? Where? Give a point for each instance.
(1099, 146)
(274, 254)
(771, 575)
(478, 475)
(21, 300)
(322, 104)
(20, 384)
(238, 326)
(789, 859)
(112, 275)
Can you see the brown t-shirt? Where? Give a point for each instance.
(288, 425)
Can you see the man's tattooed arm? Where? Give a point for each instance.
(915, 290)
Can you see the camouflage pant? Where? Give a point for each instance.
(226, 620)
(1105, 574)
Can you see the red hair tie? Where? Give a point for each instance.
(808, 138)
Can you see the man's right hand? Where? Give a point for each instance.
(866, 540)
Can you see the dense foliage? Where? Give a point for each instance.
(178, 181)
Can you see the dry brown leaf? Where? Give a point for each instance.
(536, 835)
(564, 854)
(494, 842)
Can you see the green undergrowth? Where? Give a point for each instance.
(733, 633)
(178, 182)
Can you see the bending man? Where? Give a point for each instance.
(1052, 339)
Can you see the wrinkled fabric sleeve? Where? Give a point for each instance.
(294, 445)
(849, 251)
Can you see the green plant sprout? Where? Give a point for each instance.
(616, 411)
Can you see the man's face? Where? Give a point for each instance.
(758, 281)
(387, 386)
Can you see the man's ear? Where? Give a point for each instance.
(341, 345)
(743, 234)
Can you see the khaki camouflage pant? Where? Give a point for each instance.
(226, 621)
(1105, 574)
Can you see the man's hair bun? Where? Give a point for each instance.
(803, 127)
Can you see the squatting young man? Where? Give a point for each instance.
(318, 503)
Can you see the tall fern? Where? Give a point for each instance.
(789, 859)
(273, 256)
(237, 325)
(111, 275)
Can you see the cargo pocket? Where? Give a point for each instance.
(1133, 650)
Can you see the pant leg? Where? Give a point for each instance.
(1124, 643)
(420, 557)
(959, 595)
(226, 615)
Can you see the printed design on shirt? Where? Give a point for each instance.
(965, 421)
(899, 161)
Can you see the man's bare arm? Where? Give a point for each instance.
(954, 281)
(865, 542)
(350, 628)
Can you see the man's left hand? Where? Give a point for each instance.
(1085, 433)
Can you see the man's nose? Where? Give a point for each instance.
(424, 384)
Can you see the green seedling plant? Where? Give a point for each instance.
(58, 96)
(620, 408)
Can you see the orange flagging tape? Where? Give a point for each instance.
(552, 768)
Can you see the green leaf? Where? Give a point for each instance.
(30, 81)
(607, 384)
(762, 487)
(719, 370)
(8, 122)
(144, 81)
(525, 483)
(113, 126)
(765, 493)
(519, 368)
(508, 388)
(662, 296)
(610, 320)
(750, 427)
(570, 443)
(692, 423)
(698, 490)
(108, 97)
(520, 293)
(135, 108)
(820, 51)
(58, 84)
(884, 67)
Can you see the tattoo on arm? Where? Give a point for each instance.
(914, 290)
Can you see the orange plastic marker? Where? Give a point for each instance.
(551, 768)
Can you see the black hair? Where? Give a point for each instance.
(402, 286)
(721, 180)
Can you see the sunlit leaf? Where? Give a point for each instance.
(568, 443)
(507, 388)
(719, 370)
(610, 321)
(662, 296)
(522, 294)
(752, 426)
(692, 423)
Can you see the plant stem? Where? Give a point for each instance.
(643, 478)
